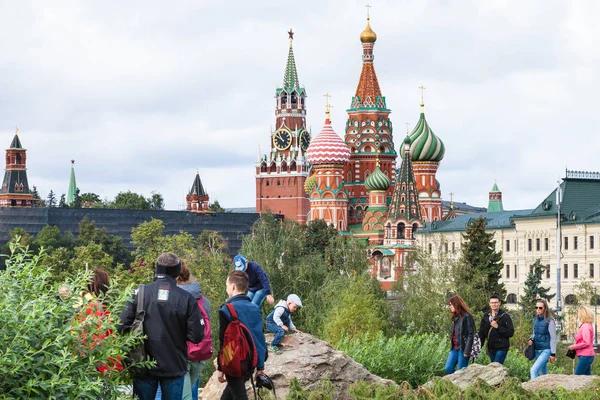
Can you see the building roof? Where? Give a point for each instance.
(290, 76)
(197, 187)
(405, 199)
(377, 180)
(495, 220)
(425, 145)
(464, 207)
(580, 199)
(327, 147)
(16, 143)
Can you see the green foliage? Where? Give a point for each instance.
(90, 200)
(129, 201)
(534, 289)
(480, 267)
(63, 201)
(432, 280)
(112, 245)
(414, 358)
(324, 390)
(216, 207)
(315, 270)
(51, 199)
(46, 350)
(76, 200)
(360, 309)
(317, 235)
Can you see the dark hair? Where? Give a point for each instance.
(460, 306)
(168, 264)
(239, 279)
(495, 296)
(100, 282)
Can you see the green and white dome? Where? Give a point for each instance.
(310, 184)
(377, 180)
(425, 145)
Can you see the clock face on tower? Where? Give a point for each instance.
(282, 139)
(304, 140)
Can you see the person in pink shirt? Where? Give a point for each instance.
(584, 342)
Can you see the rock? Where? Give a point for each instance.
(567, 382)
(493, 374)
(309, 360)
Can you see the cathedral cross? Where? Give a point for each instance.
(422, 94)
(368, 11)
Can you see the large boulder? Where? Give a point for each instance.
(567, 382)
(309, 360)
(493, 374)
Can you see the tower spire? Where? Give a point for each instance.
(72, 185)
(290, 78)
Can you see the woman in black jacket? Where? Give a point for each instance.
(462, 331)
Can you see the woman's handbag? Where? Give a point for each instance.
(530, 351)
(571, 353)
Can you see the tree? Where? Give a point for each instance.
(47, 351)
(113, 245)
(534, 289)
(480, 267)
(216, 207)
(51, 199)
(129, 201)
(51, 238)
(89, 200)
(76, 200)
(422, 296)
(156, 201)
(318, 234)
(37, 202)
(63, 201)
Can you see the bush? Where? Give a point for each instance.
(415, 358)
(46, 351)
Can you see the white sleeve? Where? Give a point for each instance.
(277, 316)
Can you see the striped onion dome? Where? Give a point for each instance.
(309, 184)
(425, 145)
(327, 147)
(377, 180)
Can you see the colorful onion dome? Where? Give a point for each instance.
(377, 180)
(425, 145)
(327, 147)
(310, 184)
(368, 36)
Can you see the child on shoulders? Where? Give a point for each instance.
(279, 320)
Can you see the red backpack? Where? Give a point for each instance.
(238, 357)
(203, 350)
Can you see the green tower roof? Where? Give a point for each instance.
(377, 180)
(16, 143)
(426, 146)
(290, 77)
(495, 199)
(72, 185)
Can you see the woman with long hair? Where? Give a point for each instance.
(462, 330)
(544, 339)
(584, 342)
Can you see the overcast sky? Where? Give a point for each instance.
(143, 93)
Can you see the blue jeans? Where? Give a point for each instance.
(257, 297)
(584, 365)
(456, 357)
(194, 389)
(540, 366)
(497, 356)
(145, 387)
(279, 332)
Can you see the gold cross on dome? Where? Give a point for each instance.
(407, 125)
(451, 194)
(368, 11)
(327, 105)
(422, 94)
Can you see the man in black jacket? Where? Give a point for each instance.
(496, 328)
(172, 317)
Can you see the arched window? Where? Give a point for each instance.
(388, 231)
(570, 300)
(273, 167)
(18, 158)
(263, 167)
(400, 234)
(511, 299)
(415, 226)
(284, 167)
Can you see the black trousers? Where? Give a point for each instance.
(235, 389)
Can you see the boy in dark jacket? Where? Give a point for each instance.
(248, 314)
(280, 320)
(496, 327)
(172, 316)
(259, 286)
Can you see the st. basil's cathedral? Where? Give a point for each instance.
(353, 183)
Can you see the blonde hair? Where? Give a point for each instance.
(585, 315)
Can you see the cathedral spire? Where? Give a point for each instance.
(368, 94)
(405, 201)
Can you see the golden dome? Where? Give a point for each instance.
(368, 36)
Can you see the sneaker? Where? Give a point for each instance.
(274, 350)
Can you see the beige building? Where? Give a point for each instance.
(523, 236)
